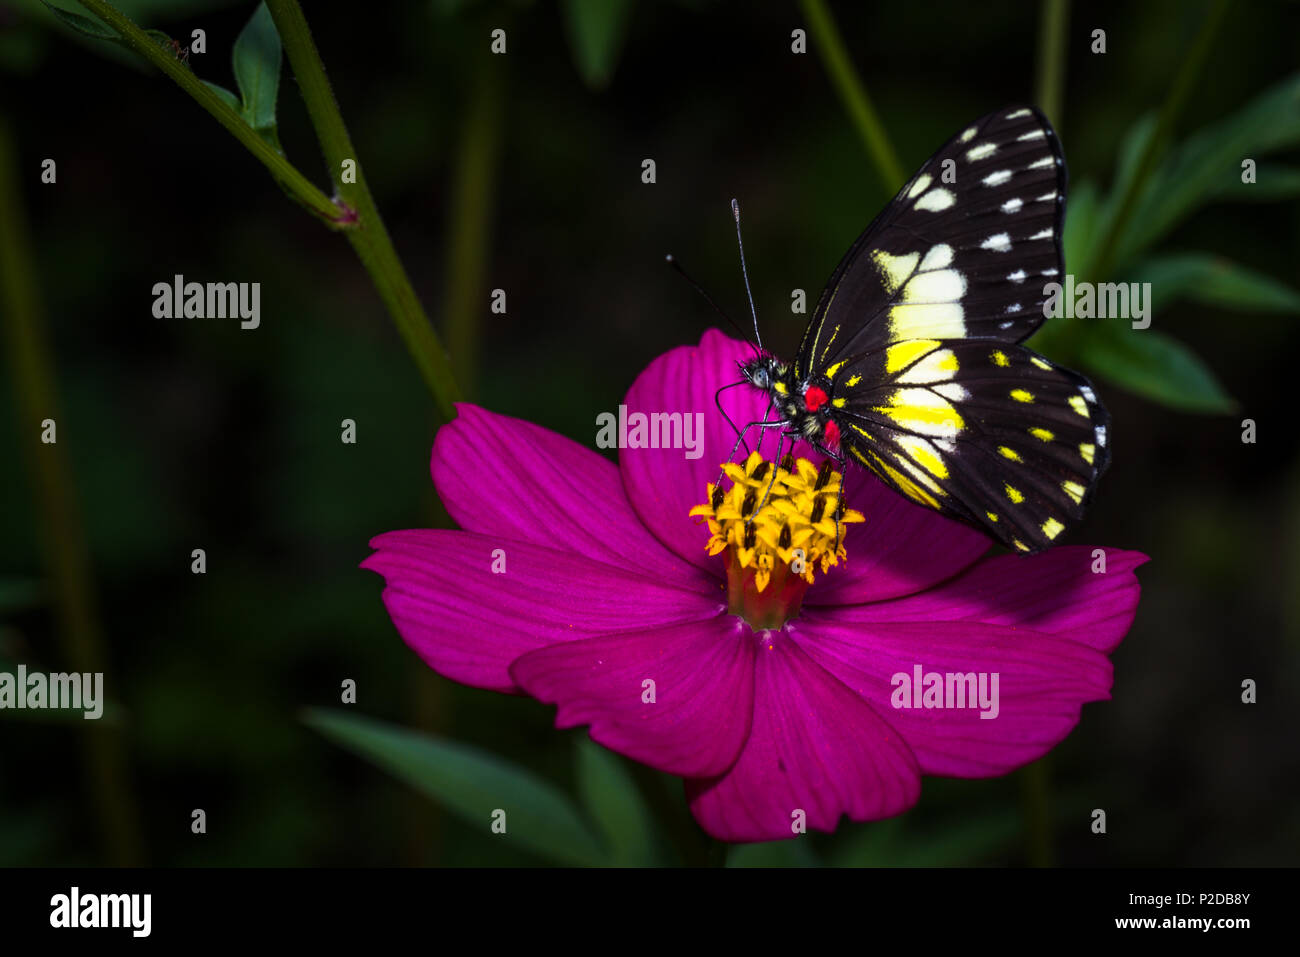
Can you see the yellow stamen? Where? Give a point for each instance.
(775, 528)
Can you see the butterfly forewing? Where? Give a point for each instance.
(963, 251)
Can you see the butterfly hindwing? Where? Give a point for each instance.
(986, 432)
(963, 251)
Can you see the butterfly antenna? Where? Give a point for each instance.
(672, 261)
(744, 271)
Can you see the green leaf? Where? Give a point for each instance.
(1153, 365)
(596, 30)
(796, 852)
(256, 62)
(91, 28)
(1272, 182)
(227, 97)
(615, 804)
(954, 843)
(1214, 281)
(470, 783)
(1201, 166)
(1080, 226)
(1130, 154)
(102, 31)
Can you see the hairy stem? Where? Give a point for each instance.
(369, 238)
(830, 47)
(285, 172)
(1049, 85)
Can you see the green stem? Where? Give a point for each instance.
(1035, 785)
(1049, 84)
(470, 220)
(1173, 106)
(285, 172)
(370, 238)
(67, 553)
(826, 37)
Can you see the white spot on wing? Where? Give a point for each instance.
(998, 178)
(1046, 197)
(939, 257)
(936, 200)
(1033, 135)
(955, 393)
(938, 366)
(1087, 394)
(1043, 163)
(1012, 205)
(1101, 435)
(1043, 234)
(968, 135)
(1017, 276)
(1049, 272)
(1014, 307)
(1000, 242)
(920, 186)
(983, 151)
(1017, 114)
(938, 285)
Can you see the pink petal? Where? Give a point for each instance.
(703, 674)
(815, 746)
(902, 548)
(1042, 684)
(505, 477)
(469, 624)
(1055, 592)
(662, 484)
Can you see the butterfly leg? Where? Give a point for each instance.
(763, 425)
(717, 400)
(776, 464)
(839, 505)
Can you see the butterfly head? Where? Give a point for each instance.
(804, 408)
(764, 372)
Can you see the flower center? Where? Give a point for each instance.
(775, 523)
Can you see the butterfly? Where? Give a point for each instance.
(912, 364)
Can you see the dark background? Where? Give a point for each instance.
(187, 434)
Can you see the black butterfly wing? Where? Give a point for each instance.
(963, 251)
(986, 432)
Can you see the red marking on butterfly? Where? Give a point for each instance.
(831, 435)
(814, 398)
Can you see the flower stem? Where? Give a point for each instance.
(1178, 94)
(830, 46)
(1049, 85)
(67, 554)
(1035, 785)
(370, 238)
(284, 172)
(470, 219)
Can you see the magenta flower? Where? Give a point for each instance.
(587, 586)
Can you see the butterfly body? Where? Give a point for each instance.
(912, 366)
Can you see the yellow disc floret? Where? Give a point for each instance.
(775, 528)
